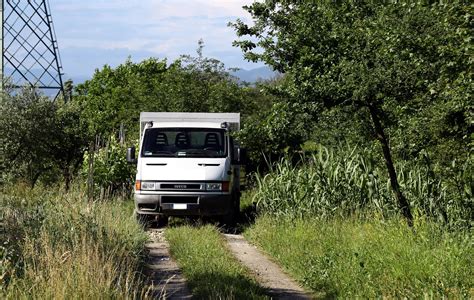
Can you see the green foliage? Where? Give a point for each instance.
(116, 96)
(412, 60)
(272, 133)
(210, 269)
(360, 53)
(277, 126)
(349, 180)
(70, 139)
(38, 136)
(27, 124)
(57, 245)
(372, 258)
(112, 173)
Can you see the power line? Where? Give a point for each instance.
(29, 46)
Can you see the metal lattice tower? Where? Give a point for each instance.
(29, 46)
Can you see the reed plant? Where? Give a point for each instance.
(347, 180)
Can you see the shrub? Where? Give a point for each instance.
(112, 174)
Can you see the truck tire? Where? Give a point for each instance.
(161, 221)
(237, 208)
(230, 219)
(155, 221)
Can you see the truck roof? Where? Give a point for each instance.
(189, 119)
(186, 125)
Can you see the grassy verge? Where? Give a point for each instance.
(58, 245)
(212, 272)
(369, 259)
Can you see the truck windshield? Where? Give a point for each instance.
(184, 142)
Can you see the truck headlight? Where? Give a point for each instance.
(214, 186)
(148, 186)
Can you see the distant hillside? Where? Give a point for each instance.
(251, 76)
(262, 73)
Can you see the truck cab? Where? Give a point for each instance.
(187, 165)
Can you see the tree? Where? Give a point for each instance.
(26, 122)
(70, 138)
(39, 136)
(277, 127)
(116, 96)
(374, 57)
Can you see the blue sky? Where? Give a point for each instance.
(92, 33)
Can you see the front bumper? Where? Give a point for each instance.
(178, 205)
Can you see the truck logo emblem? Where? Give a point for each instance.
(180, 186)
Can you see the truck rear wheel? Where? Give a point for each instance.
(230, 219)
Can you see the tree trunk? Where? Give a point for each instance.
(379, 130)
(35, 179)
(67, 178)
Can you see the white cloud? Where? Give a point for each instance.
(210, 8)
(163, 27)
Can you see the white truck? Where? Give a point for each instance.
(188, 164)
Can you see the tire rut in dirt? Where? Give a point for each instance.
(268, 274)
(166, 277)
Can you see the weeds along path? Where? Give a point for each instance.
(268, 274)
(167, 280)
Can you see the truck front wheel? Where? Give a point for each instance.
(161, 221)
(144, 220)
(152, 220)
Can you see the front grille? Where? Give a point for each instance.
(180, 186)
(179, 199)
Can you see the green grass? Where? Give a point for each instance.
(352, 258)
(211, 270)
(57, 245)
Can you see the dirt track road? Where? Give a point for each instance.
(169, 283)
(167, 280)
(268, 274)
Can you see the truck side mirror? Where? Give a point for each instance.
(131, 155)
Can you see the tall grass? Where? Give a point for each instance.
(62, 246)
(371, 258)
(344, 181)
